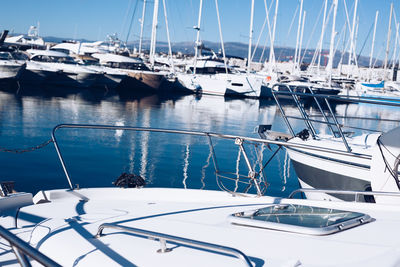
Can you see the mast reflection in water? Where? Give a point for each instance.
(98, 157)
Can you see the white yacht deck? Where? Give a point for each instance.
(64, 229)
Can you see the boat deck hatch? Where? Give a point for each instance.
(300, 219)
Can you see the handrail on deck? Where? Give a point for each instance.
(163, 238)
(356, 194)
(196, 133)
(21, 249)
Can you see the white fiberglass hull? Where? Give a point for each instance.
(70, 75)
(323, 170)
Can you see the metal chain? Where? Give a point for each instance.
(29, 149)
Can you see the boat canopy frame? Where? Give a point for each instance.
(307, 92)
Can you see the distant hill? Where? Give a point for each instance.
(235, 49)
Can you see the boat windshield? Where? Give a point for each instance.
(301, 219)
(53, 59)
(20, 56)
(127, 65)
(210, 70)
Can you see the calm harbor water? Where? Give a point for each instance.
(98, 157)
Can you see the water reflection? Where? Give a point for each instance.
(95, 158)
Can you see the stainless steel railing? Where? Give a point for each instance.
(356, 194)
(23, 249)
(304, 116)
(163, 238)
(238, 140)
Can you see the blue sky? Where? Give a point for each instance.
(93, 20)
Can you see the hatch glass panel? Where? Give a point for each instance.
(300, 219)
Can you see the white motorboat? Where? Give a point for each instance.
(26, 41)
(349, 168)
(369, 86)
(10, 67)
(81, 52)
(180, 227)
(57, 68)
(303, 85)
(213, 78)
(381, 90)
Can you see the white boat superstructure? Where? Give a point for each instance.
(180, 227)
(212, 77)
(30, 40)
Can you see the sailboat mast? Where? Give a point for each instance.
(322, 35)
(271, 49)
(220, 36)
(141, 26)
(395, 48)
(196, 51)
(373, 40)
(298, 35)
(331, 46)
(355, 43)
(168, 38)
(250, 37)
(388, 38)
(352, 34)
(301, 39)
(154, 33)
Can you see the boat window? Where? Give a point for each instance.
(127, 65)
(40, 58)
(62, 50)
(210, 70)
(53, 59)
(20, 56)
(66, 60)
(91, 62)
(5, 56)
(301, 219)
